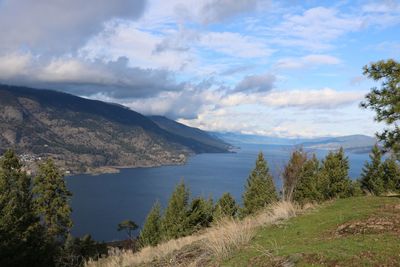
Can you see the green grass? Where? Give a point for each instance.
(311, 240)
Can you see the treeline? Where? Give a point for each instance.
(306, 179)
(35, 218)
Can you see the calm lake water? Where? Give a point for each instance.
(100, 202)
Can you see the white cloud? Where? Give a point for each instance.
(307, 61)
(235, 44)
(315, 28)
(326, 98)
(140, 46)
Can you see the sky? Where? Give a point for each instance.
(276, 68)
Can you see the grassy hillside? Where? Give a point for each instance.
(363, 231)
(358, 231)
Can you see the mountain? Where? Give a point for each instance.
(239, 138)
(189, 132)
(83, 135)
(351, 143)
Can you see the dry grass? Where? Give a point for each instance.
(218, 241)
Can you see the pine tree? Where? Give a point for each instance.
(260, 190)
(391, 177)
(335, 175)
(309, 186)
(21, 235)
(200, 213)
(176, 222)
(225, 207)
(150, 235)
(292, 172)
(52, 201)
(128, 226)
(372, 175)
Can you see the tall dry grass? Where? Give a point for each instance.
(218, 241)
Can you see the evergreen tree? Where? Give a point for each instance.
(128, 226)
(292, 172)
(391, 177)
(21, 235)
(176, 222)
(335, 175)
(200, 213)
(52, 201)
(372, 175)
(225, 207)
(150, 235)
(309, 186)
(385, 101)
(259, 190)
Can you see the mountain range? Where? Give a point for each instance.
(84, 135)
(351, 143)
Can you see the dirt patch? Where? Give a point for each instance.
(387, 221)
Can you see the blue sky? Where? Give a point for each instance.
(277, 68)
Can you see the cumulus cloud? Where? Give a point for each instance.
(256, 83)
(59, 26)
(143, 48)
(114, 78)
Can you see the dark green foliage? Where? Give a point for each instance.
(128, 226)
(373, 174)
(355, 189)
(334, 175)
(22, 241)
(309, 187)
(76, 251)
(176, 222)
(385, 101)
(150, 235)
(225, 207)
(391, 178)
(200, 213)
(292, 173)
(259, 190)
(52, 201)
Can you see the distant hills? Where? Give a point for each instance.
(85, 135)
(351, 143)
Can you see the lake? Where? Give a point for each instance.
(100, 202)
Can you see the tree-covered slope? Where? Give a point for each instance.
(189, 132)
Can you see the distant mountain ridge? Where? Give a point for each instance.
(83, 134)
(351, 143)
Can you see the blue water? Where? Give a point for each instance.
(100, 202)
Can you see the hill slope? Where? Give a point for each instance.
(336, 234)
(82, 133)
(188, 132)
